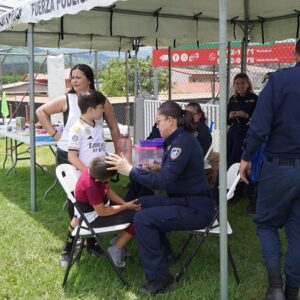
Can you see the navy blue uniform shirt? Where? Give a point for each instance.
(276, 117)
(245, 103)
(182, 170)
(203, 135)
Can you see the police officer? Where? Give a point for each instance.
(186, 206)
(276, 121)
(239, 111)
(202, 132)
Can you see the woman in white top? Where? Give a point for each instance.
(82, 79)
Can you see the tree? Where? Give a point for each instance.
(113, 77)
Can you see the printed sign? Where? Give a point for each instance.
(264, 54)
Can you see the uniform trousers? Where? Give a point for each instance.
(278, 206)
(161, 214)
(235, 141)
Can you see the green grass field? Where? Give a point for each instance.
(31, 245)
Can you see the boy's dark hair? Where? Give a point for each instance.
(88, 73)
(198, 108)
(91, 98)
(98, 169)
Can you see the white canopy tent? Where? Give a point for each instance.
(114, 25)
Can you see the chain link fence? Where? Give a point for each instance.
(115, 75)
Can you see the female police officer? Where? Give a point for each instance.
(186, 206)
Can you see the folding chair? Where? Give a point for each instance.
(67, 176)
(233, 178)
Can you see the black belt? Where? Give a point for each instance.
(284, 161)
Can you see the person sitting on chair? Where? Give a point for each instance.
(202, 132)
(91, 194)
(187, 204)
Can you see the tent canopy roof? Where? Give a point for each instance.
(113, 25)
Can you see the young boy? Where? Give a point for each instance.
(85, 142)
(91, 193)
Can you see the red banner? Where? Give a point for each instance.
(277, 53)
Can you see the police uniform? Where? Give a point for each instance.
(276, 121)
(186, 206)
(203, 135)
(238, 126)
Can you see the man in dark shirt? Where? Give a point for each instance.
(276, 122)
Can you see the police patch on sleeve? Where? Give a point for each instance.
(175, 152)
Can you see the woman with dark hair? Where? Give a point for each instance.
(82, 79)
(239, 111)
(187, 204)
(202, 132)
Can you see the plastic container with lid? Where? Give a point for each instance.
(149, 151)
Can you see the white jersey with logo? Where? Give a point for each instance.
(88, 140)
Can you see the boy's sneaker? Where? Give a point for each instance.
(116, 255)
(126, 251)
(113, 241)
(64, 259)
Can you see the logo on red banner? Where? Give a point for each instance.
(270, 54)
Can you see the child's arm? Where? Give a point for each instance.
(74, 160)
(115, 197)
(104, 211)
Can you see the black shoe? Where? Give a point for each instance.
(94, 249)
(291, 293)
(158, 286)
(275, 294)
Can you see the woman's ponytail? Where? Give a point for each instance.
(184, 118)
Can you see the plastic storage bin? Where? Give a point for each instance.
(149, 151)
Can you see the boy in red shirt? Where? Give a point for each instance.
(92, 192)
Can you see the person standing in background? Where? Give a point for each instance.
(239, 111)
(276, 122)
(82, 80)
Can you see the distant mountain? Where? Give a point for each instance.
(77, 54)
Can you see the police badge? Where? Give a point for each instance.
(175, 152)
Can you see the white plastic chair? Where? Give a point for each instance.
(233, 178)
(67, 176)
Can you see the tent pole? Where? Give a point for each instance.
(32, 116)
(137, 119)
(136, 92)
(244, 45)
(155, 83)
(127, 92)
(71, 60)
(170, 73)
(228, 70)
(222, 163)
(96, 70)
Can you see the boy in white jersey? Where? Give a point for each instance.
(86, 141)
(86, 137)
